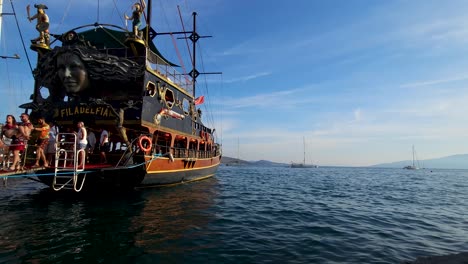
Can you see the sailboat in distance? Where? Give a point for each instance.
(303, 164)
(413, 165)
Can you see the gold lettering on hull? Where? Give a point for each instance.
(85, 110)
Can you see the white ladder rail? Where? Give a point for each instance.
(68, 176)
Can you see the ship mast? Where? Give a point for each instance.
(15, 56)
(303, 139)
(148, 19)
(194, 37)
(1, 17)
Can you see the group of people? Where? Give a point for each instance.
(19, 134)
(87, 141)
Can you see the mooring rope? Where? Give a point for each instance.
(29, 173)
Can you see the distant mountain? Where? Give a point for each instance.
(228, 161)
(459, 161)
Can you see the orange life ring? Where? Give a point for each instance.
(148, 146)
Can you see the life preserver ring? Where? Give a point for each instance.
(141, 141)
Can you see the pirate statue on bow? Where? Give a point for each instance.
(136, 17)
(42, 24)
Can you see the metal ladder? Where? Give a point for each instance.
(67, 167)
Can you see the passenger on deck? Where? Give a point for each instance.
(82, 141)
(25, 126)
(53, 132)
(158, 151)
(103, 144)
(42, 142)
(18, 140)
(91, 142)
(10, 128)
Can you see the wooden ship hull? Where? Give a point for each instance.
(157, 136)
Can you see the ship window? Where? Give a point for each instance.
(151, 88)
(186, 106)
(163, 142)
(44, 92)
(169, 97)
(202, 146)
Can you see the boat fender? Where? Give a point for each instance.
(141, 140)
(202, 134)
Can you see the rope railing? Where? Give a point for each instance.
(161, 67)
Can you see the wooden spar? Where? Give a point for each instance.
(194, 42)
(1, 17)
(148, 20)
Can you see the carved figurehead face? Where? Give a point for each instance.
(72, 73)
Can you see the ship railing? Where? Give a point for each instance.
(191, 153)
(127, 151)
(7, 155)
(180, 152)
(204, 154)
(160, 66)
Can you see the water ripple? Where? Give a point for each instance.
(245, 215)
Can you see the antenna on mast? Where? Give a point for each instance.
(15, 56)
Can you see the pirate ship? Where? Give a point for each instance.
(117, 80)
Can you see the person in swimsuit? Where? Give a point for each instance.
(42, 141)
(18, 140)
(9, 131)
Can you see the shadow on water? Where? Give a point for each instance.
(136, 226)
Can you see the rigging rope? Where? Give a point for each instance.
(180, 58)
(185, 35)
(210, 116)
(21, 36)
(64, 15)
(27, 173)
(121, 17)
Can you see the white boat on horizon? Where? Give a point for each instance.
(303, 164)
(413, 165)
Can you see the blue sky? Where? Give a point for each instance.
(361, 80)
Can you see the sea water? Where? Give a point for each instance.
(244, 215)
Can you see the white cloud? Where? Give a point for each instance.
(357, 115)
(435, 81)
(249, 77)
